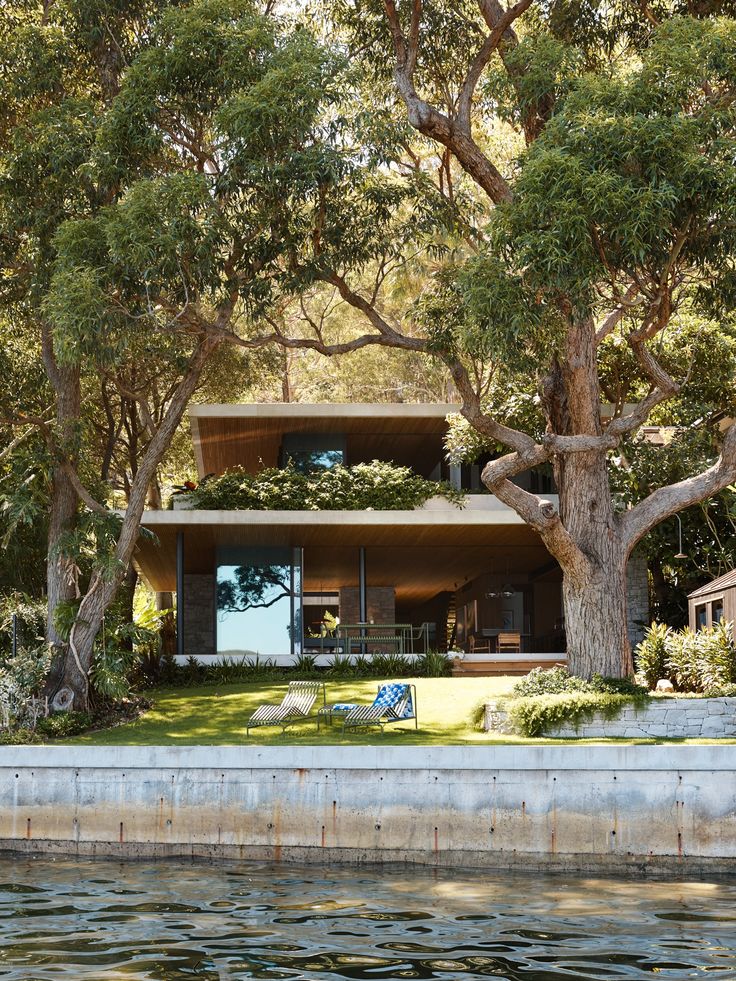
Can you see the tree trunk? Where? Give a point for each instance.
(596, 621)
(594, 576)
(61, 584)
(103, 586)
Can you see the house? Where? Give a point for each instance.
(713, 602)
(455, 576)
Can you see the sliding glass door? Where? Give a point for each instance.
(259, 601)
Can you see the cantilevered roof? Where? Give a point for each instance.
(715, 586)
(250, 436)
(418, 551)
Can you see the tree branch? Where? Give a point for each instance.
(430, 121)
(665, 501)
(82, 492)
(543, 517)
(490, 44)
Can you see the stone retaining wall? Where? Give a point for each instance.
(616, 807)
(671, 718)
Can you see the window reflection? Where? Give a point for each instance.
(258, 601)
(307, 461)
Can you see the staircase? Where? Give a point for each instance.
(487, 666)
(451, 632)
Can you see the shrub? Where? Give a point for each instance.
(536, 714)
(21, 678)
(366, 486)
(651, 654)
(18, 737)
(717, 656)
(392, 665)
(683, 660)
(549, 681)
(62, 724)
(433, 664)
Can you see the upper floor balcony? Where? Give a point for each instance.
(311, 439)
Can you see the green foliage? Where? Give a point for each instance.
(62, 724)
(651, 653)
(366, 486)
(536, 715)
(19, 737)
(433, 664)
(31, 619)
(549, 681)
(21, 680)
(702, 661)
(557, 680)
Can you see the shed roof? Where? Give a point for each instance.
(716, 585)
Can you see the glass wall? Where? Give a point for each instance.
(310, 452)
(259, 601)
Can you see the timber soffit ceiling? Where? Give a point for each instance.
(250, 435)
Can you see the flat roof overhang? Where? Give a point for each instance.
(420, 552)
(225, 436)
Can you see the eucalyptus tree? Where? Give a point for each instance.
(619, 207)
(60, 67)
(231, 168)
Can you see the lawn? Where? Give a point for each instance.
(215, 715)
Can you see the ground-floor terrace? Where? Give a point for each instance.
(280, 584)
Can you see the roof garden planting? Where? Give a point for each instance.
(375, 486)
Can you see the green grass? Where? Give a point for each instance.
(216, 715)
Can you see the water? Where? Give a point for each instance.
(176, 920)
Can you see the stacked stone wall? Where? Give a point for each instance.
(662, 718)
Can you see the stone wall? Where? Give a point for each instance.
(637, 597)
(199, 615)
(593, 808)
(670, 718)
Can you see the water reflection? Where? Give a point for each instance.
(173, 920)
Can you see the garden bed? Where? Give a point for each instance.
(655, 718)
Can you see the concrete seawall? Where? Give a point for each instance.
(660, 808)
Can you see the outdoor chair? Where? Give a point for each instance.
(483, 645)
(509, 643)
(394, 702)
(294, 707)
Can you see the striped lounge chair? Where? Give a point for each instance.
(394, 702)
(294, 707)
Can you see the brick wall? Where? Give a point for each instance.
(199, 614)
(381, 604)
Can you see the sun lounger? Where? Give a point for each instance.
(295, 706)
(394, 702)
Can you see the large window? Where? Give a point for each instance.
(259, 594)
(312, 451)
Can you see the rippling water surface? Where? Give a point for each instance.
(173, 920)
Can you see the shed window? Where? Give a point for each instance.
(701, 617)
(717, 610)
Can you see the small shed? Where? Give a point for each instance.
(713, 602)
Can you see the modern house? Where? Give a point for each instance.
(457, 577)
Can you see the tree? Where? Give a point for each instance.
(229, 160)
(619, 210)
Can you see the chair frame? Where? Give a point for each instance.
(295, 706)
(482, 646)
